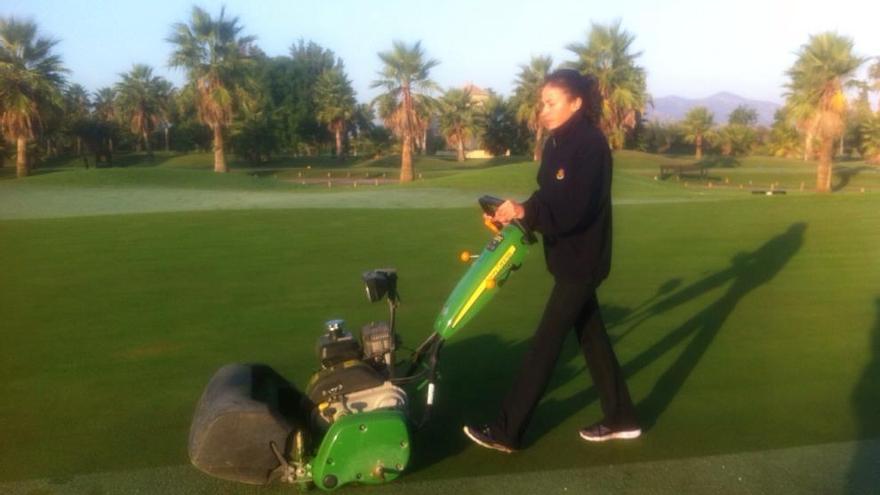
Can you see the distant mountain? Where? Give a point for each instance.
(672, 108)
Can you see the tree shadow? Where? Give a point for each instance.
(864, 472)
(720, 162)
(844, 174)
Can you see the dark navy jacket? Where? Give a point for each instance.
(572, 206)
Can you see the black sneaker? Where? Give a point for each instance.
(482, 436)
(601, 432)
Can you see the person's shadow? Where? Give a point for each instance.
(484, 365)
(864, 472)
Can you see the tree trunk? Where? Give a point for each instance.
(406, 165)
(539, 143)
(699, 142)
(21, 168)
(808, 146)
(167, 140)
(78, 146)
(147, 143)
(460, 139)
(110, 145)
(425, 142)
(339, 143)
(824, 169)
(219, 157)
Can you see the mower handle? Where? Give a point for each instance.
(490, 204)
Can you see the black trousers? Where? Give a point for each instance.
(571, 306)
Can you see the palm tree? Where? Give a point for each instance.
(217, 60)
(334, 98)
(30, 80)
(105, 108)
(458, 118)
(606, 55)
(824, 65)
(76, 103)
(405, 74)
(697, 124)
(426, 108)
(528, 97)
(142, 98)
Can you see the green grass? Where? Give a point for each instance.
(744, 323)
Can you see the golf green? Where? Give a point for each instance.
(745, 325)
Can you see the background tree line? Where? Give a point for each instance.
(236, 98)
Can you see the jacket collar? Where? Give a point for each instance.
(567, 128)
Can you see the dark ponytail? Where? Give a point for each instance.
(580, 86)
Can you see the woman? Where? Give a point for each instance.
(572, 211)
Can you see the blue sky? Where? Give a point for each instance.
(690, 48)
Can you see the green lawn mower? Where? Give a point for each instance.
(353, 422)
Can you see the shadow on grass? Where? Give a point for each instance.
(487, 364)
(864, 475)
(844, 175)
(720, 162)
(747, 272)
(8, 173)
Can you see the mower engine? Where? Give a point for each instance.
(354, 375)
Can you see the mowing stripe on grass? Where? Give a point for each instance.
(56, 202)
(847, 467)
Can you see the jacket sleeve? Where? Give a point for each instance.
(570, 205)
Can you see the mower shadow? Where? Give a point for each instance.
(463, 399)
(495, 361)
(863, 474)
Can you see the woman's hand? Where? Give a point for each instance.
(508, 212)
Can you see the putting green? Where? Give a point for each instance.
(749, 328)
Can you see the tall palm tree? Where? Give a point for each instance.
(405, 73)
(801, 114)
(30, 80)
(426, 107)
(334, 98)
(77, 104)
(388, 109)
(528, 97)
(105, 108)
(824, 65)
(218, 61)
(697, 124)
(608, 57)
(143, 98)
(458, 118)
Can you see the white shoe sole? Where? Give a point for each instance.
(617, 435)
(481, 443)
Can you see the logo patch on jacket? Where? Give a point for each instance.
(560, 174)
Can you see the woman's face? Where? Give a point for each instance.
(557, 106)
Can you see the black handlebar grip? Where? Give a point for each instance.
(490, 203)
